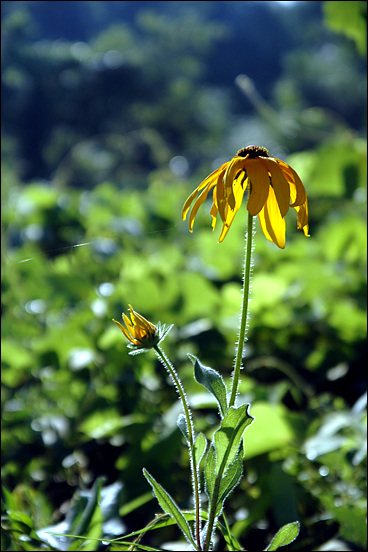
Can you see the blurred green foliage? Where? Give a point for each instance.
(105, 134)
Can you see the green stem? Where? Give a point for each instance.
(244, 312)
(238, 362)
(191, 438)
(212, 520)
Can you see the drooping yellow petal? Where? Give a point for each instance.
(272, 223)
(235, 165)
(297, 191)
(238, 191)
(240, 185)
(197, 204)
(210, 179)
(301, 195)
(213, 176)
(258, 191)
(213, 213)
(188, 203)
(221, 199)
(274, 188)
(224, 231)
(303, 218)
(279, 183)
(241, 180)
(293, 192)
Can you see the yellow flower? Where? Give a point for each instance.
(273, 187)
(141, 334)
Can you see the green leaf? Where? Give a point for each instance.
(223, 456)
(228, 437)
(183, 426)
(89, 522)
(22, 519)
(350, 19)
(287, 534)
(210, 471)
(229, 481)
(132, 505)
(231, 541)
(170, 507)
(200, 446)
(212, 381)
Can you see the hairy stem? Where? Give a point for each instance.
(212, 519)
(238, 362)
(191, 438)
(244, 311)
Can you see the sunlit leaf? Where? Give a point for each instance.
(228, 437)
(287, 534)
(212, 381)
(200, 446)
(210, 471)
(170, 507)
(229, 481)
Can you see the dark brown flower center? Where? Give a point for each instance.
(252, 152)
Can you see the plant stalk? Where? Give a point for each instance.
(236, 377)
(244, 311)
(191, 438)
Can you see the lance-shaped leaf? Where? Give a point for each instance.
(212, 381)
(170, 507)
(210, 471)
(228, 437)
(200, 445)
(287, 534)
(231, 541)
(229, 481)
